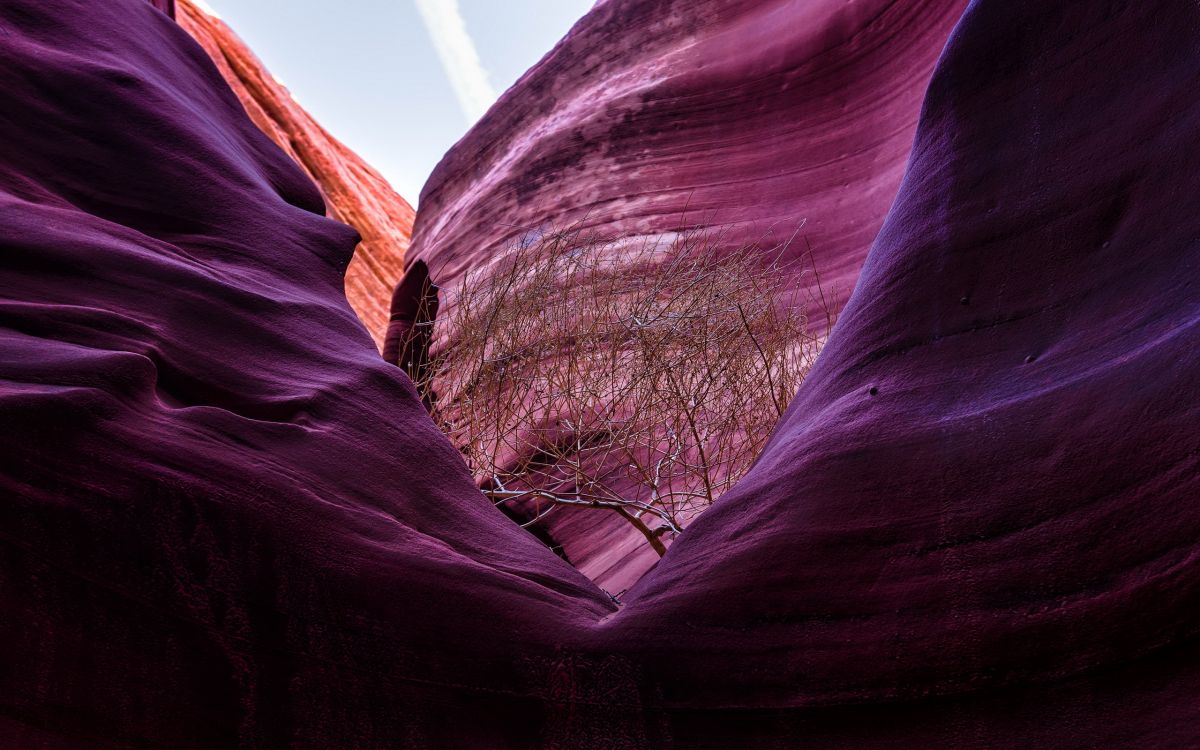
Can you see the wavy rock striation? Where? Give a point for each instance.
(354, 192)
(228, 522)
(758, 119)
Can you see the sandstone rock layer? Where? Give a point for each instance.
(761, 119)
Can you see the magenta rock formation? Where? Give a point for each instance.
(227, 522)
(759, 119)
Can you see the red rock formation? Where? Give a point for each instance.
(763, 115)
(354, 192)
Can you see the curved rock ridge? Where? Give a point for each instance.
(758, 117)
(228, 522)
(354, 192)
(985, 491)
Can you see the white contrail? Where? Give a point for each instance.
(205, 8)
(460, 60)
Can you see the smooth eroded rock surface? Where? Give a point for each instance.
(760, 118)
(765, 121)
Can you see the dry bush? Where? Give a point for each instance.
(639, 378)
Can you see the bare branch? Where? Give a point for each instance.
(637, 377)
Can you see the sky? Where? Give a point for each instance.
(399, 81)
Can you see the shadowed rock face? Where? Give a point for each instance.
(228, 522)
(354, 192)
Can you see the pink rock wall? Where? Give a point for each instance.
(759, 118)
(751, 115)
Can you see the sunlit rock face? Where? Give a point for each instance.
(766, 118)
(227, 522)
(763, 119)
(354, 192)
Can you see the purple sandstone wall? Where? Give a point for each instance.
(227, 522)
(166, 6)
